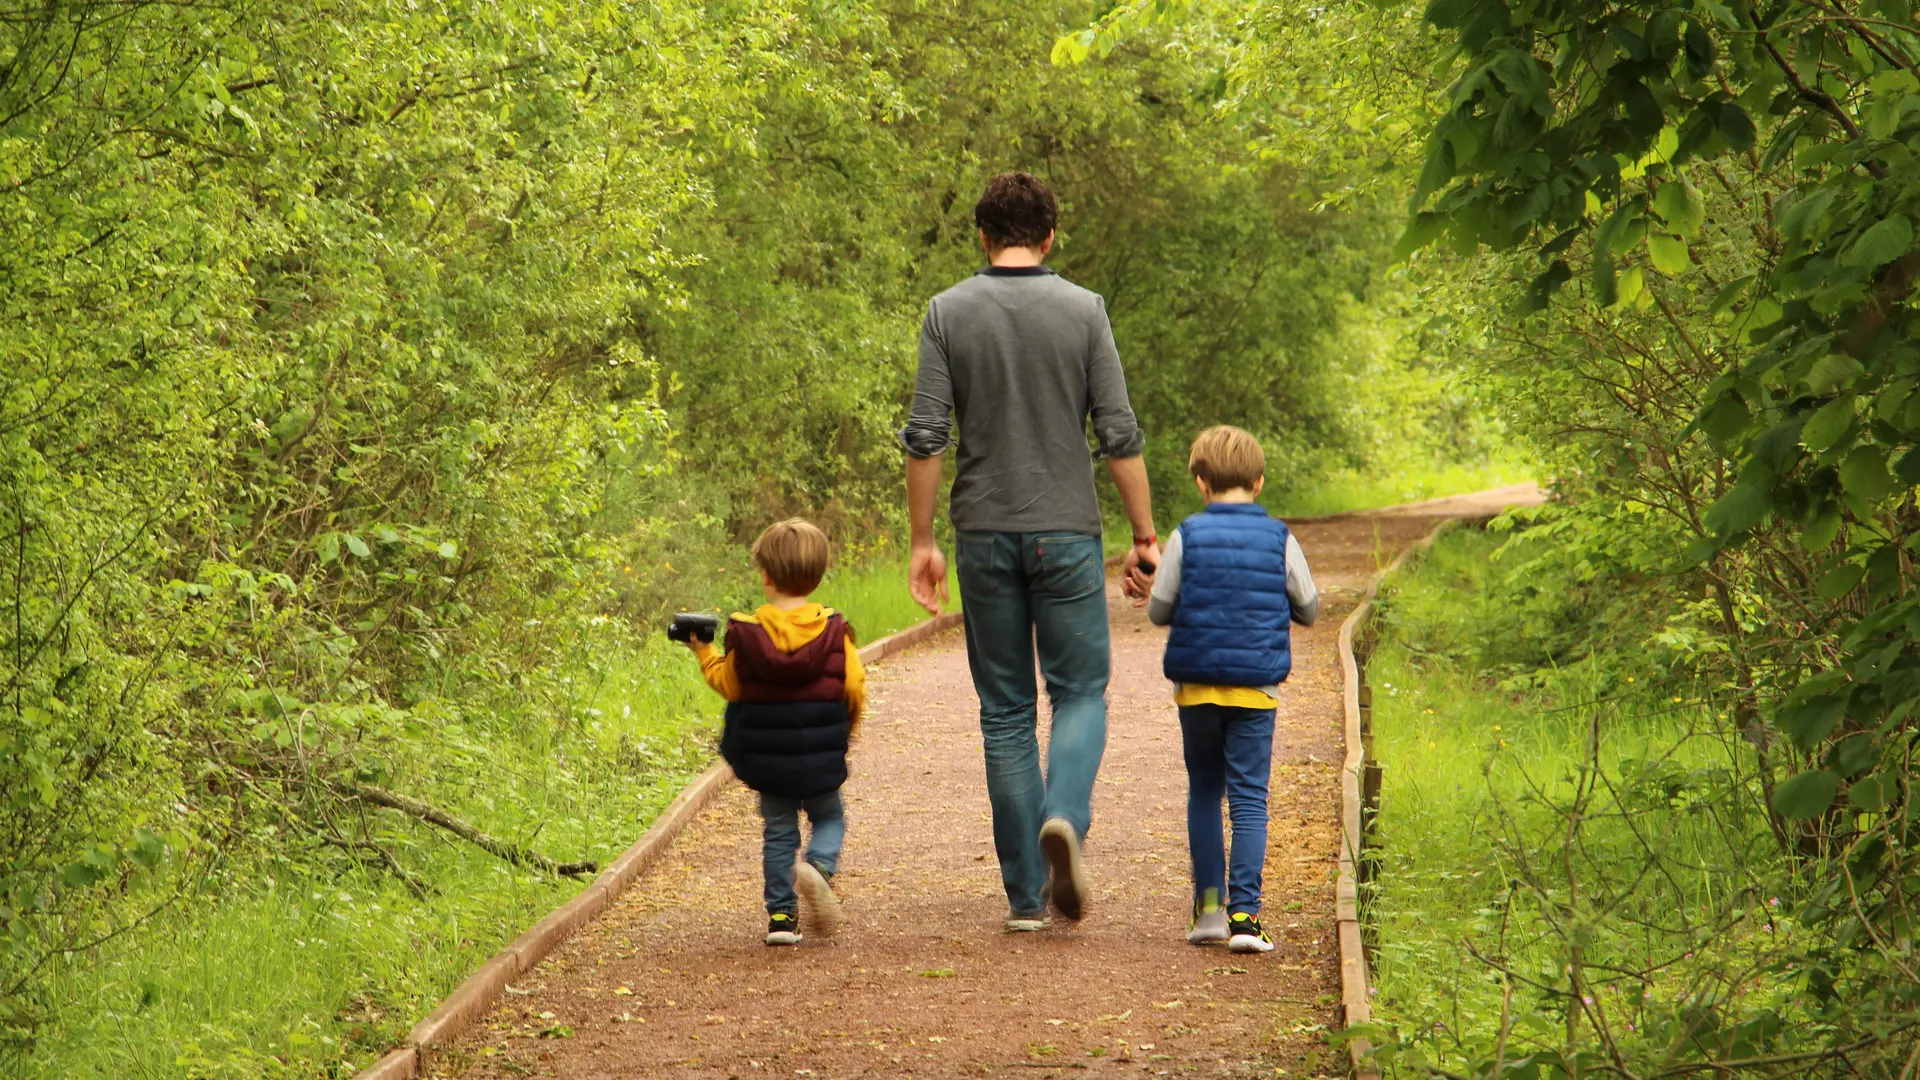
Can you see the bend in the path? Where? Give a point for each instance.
(673, 981)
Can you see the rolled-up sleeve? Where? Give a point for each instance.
(929, 427)
(1114, 426)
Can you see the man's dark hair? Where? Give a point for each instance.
(1018, 210)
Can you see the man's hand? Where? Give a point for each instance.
(927, 577)
(1135, 579)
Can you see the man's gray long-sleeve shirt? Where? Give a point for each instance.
(1022, 358)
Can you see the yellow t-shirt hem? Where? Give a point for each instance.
(1233, 697)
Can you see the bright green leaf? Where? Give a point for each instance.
(1740, 509)
(1840, 580)
(1810, 721)
(1888, 239)
(1872, 794)
(1680, 205)
(1832, 372)
(1827, 424)
(1669, 253)
(1865, 474)
(1821, 534)
(1807, 795)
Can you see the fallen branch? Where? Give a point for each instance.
(414, 883)
(433, 815)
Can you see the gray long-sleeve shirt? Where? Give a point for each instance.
(1021, 358)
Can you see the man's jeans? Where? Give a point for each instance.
(781, 839)
(1229, 754)
(1016, 590)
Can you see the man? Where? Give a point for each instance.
(1022, 359)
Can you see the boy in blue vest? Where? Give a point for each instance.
(1230, 580)
(794, 688)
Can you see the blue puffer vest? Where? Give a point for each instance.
(1231, 620)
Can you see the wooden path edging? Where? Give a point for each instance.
(1356, 998)
(476, 994)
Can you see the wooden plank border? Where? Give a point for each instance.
(476, 994)
(1356, 996)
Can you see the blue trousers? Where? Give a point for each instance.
(1229, 754)
(780, 841)
(1021, 593)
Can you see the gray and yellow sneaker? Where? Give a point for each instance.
(1245, 934)
(815, 887)
(1209, 923)
(783, 929)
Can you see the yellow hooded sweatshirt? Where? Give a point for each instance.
(789, 629)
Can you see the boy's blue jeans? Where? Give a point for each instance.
(780, 840)
(1229, 754)
(1019, 590)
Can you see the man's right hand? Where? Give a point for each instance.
(927, 577)
(1136, 573)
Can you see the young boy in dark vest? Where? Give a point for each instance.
(1230, 581)
(791, 676)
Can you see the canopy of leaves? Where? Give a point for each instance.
(367, 370)
(1677, 238)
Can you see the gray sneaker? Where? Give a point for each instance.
(1027, 924)
(1209, 921)
(816, 896)
(1061, 845)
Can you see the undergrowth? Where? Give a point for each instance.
(269, 967)
(1574, 870)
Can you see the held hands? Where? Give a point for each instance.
(927, 577)
(1136, 573)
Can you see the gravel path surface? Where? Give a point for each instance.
(673, 981)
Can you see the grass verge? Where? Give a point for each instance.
(268, 968)
(1563, 841)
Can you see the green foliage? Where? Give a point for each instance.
(1676, 241)
(370, 374)
(1575, 873)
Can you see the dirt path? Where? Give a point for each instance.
(673, 981)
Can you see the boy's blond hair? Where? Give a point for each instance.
(794, 553)
(1226, 458)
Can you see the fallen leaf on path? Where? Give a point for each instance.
(1112, 1017)
(623, 991)
(1174, 1004)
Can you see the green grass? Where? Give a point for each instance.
(874, 596)
(1347, 491)
(268, 969)
(1481, 745)
(1343, 491)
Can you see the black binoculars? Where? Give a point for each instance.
(691, 624)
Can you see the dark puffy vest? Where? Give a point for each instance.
(1230, 622)
(787, 735)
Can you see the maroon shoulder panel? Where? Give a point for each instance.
(817, 671)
